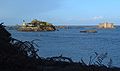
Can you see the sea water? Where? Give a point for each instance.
(75, 45)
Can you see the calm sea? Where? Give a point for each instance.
(76, 45)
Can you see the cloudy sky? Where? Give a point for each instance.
(60, 12)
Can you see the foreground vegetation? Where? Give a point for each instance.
(16, 55)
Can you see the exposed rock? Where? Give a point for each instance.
(36, 25)
(88, 31)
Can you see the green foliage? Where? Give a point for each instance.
(36, 22)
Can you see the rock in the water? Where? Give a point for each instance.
(36, 25)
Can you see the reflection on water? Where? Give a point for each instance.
(73, 44)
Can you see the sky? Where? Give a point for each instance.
(60, 12)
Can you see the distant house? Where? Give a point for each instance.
(106, 25)
(35, 23)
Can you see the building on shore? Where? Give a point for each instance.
(106, 25)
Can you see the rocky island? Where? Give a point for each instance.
(36, 25)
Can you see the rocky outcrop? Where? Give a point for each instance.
(88, 31)
(41, 28)
(36, 25)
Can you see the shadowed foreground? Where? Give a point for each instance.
(16, 55)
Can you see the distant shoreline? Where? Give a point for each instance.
(63, 26)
